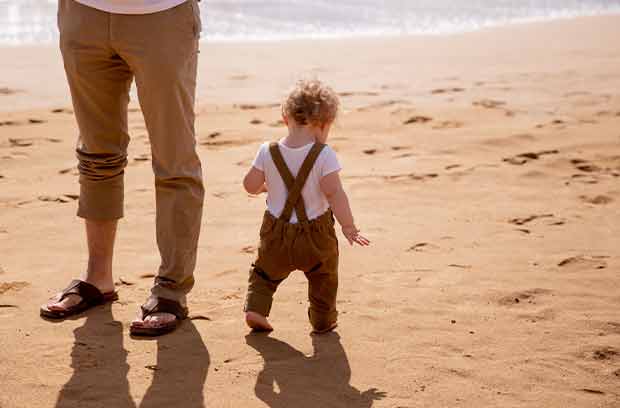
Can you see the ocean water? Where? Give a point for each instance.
(34, 21)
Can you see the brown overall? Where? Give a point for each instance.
(310, 246)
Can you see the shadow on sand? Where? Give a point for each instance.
(321, 380)
(100, 368)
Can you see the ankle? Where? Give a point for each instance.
(102, 281)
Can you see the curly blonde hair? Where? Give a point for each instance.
(311, 103)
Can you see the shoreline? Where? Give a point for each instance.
(378, 35)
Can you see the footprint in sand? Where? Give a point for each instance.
(557, 123)
(489, 103)
(15, 142)
(417, 119)
(249, 106)
(592, 391)
(31, 121)
(361, 93)
(596, 200)
(449, 124)
(460, 266)
(523, 158)
(526, 220)
(8, 91)
(232, 143)
(440, 91)
(13, 286)
(526, 296)
(583, 178)
(213, 135)
(217, 143)
(62, 110)
(584, 262)
(411, 176)
(422, 247)
(69, 170)
(64, 198)
(384, 104)
(231, 296)
(506, 141)
(585, 166)
(142, 157)
(605, 353)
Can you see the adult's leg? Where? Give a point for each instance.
(100, 236)
(99, 81)
(162, 49)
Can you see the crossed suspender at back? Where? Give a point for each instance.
(294, 185)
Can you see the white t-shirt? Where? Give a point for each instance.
(314, 199)
(131, 6)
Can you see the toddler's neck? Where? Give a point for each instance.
(300, 136)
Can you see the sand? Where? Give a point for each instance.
(485, 168)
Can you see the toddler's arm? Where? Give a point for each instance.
(254, 181)
(331, 186)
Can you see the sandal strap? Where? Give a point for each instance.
(162, 305)
(89, 293)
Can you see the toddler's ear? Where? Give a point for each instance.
(285, 119)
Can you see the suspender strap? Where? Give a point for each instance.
(295, 185)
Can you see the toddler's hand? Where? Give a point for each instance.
(353, 236)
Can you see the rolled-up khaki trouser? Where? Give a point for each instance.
(102, 54)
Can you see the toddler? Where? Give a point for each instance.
(300, 175)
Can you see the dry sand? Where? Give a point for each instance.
(485, 167)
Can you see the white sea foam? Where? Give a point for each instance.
(34, 21)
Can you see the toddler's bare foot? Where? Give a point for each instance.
(257, 322)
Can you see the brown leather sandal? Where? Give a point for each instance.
(91, 297)
(159, 305)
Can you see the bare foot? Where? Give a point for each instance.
(257, 322)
